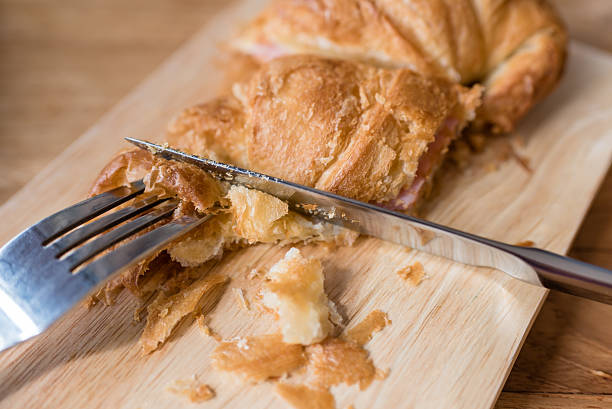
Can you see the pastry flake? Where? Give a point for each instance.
(242, 302)
(260, 217)
(185, 181)
(414, 273)
(362, 333)
(165, 312)
(295, 292)
(258, 358)
(204, 243)
(193, 390)
(305, 397)
(335, 361)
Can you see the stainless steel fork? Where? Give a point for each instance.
(51, 266)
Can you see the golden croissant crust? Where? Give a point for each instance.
(515, 48)
(345, 127)
(357, 130)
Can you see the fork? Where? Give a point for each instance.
(53, 265)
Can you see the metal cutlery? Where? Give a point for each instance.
(48, 268)
(53, 265)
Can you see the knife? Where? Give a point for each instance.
(529, 264)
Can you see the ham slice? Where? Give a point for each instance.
(428, 163)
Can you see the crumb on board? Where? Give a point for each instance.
(89, 302)
(362, 333)
(305, 397)
(240, 299)
(525, 243)
(508, 151)
(165, 312)
(344, 360)
(192, 389)
(258, 358)
(415, 273)
(327, 363)
(206, 330)
(382, 374)
(335, 361)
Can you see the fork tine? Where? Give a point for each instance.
(96, 246)
(138, 249)
(65, 220)
(82, 234)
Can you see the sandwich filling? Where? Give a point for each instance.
(409, 196)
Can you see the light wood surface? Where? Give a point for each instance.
(570, 351)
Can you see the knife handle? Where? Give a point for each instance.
(567, 274)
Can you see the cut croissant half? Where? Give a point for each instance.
(515, 48)
(369, 133)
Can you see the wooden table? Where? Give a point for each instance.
(65, 62)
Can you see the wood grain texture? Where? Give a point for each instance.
(65, 62)
(417, 347)
(511, 400)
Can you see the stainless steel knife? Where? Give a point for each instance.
(532, 265)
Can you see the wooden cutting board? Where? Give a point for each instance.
(453, 339)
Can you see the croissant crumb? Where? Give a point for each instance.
(295, 291)
(165, 312)
(193, 390)
(258, 358)
(305, 397)
(362, 333)
(414, 273)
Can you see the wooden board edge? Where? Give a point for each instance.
(519, 347)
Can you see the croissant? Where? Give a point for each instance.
(514, 48)
(373, 134)
(369, 133)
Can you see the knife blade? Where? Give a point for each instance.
(531, 265)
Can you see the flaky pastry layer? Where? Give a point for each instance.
(345, 127)
(294, 291)
(515, 48)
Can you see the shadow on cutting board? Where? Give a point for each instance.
(80, 334)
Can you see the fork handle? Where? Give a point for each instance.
(567, 274)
